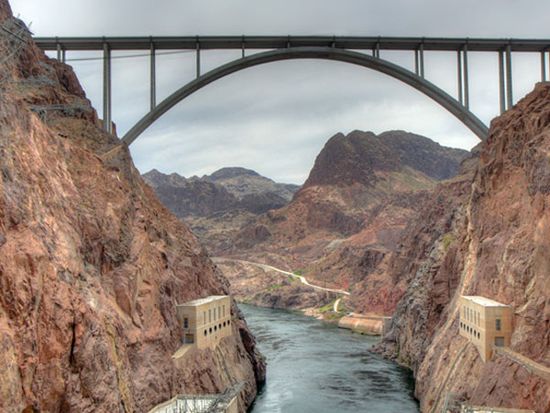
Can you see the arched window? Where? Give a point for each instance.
(205, 333)
(210, 330)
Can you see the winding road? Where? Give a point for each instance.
(302, 279)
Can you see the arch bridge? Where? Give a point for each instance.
(361, 51)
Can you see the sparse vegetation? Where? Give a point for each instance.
(274, 287)
(447, 239)
(293, 279)
(326, 308)
(331, 316)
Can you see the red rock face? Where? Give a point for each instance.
(91, 265)
(497, 246)
(5, 10)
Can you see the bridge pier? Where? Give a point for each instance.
(505, 79)
(198, 51)
(421, 53)
(509, 95)
(459, 76)
(107, 126)
(543, 66)
(466, 83)
(419, 61)
(462, 77)
(61, 53)
(501, 82)
(153, 80)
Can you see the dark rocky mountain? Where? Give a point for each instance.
(227, 189)
(359, 156)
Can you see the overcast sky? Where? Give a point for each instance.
(275, 118)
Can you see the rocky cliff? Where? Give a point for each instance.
(485, 233)
(91, 264)
(218, 205)
(225, 190)
(352, 176)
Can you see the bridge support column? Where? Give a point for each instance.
(421, 53)
(459, 76)
(242, 48)
(419, 61)
(466, 83)
(153, 80)
(509, 93)
(543, 66)
(59, 52)
(462, 77)
(63, 56)
(107, 88)
(198, 59)
(501, 82)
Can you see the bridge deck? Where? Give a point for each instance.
(275, 42)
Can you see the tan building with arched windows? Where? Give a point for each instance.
(486, 323)
(205, 321)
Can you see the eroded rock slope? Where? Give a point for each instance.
(91, 264)
(486, 233)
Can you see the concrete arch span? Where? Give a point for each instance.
(327, 53)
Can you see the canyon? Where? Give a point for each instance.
(95, 258)
(407, 244)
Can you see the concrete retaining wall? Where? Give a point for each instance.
(365, 324)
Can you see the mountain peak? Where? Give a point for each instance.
(358, 156)
(231, 172)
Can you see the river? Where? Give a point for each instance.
(314, 367)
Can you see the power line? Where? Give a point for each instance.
(83, 59)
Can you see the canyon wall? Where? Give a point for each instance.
(91, 264)
(486, 233)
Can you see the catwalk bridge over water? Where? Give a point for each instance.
(362, 51)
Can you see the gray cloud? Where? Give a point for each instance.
(275, 118)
